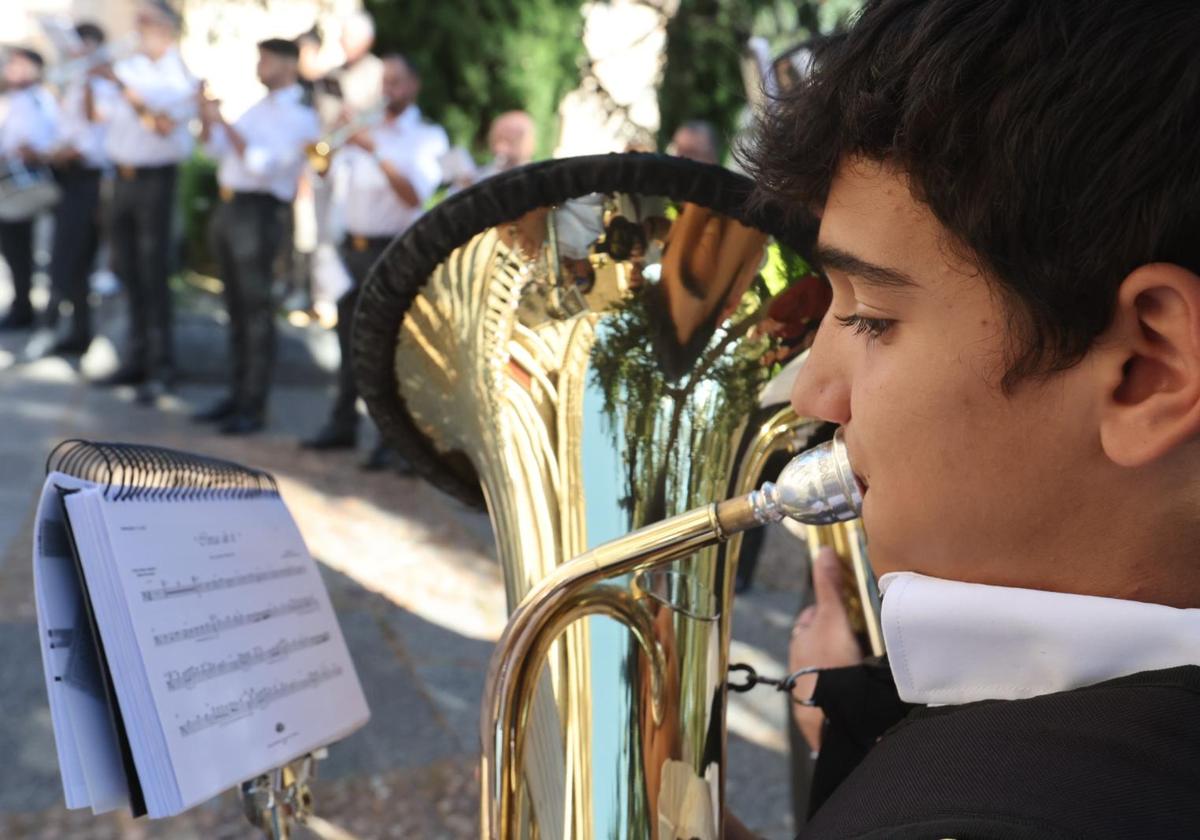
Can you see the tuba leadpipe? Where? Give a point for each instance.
(817, 487)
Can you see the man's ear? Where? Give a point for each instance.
(1152, 350)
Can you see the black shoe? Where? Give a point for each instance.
(242, 424)
(123, 376)
(331, 437)
(69, 347)
(17, 319)
(382, 457)
(379, 459)
(150, 391)
(222, 409)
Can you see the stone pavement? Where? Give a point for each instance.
(412, 575)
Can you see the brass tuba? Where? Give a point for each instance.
(580, 345)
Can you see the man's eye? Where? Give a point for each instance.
(872, 327)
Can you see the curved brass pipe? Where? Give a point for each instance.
(817, 486)
(557, 601)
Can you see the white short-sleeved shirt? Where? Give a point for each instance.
(78, 132)
(32, 120)
(414, 147)
(166, 86)
(276, 129)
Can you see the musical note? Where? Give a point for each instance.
(215, 626)
(242, 661)
(254, 699)
(199, 587)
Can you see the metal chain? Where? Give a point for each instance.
(784, 684)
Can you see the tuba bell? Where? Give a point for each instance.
(579, 345)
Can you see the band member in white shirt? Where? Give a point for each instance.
(79, 162)
(147, 139)
(389, 172)
(26, 136)
(261, 155)
(512, 140)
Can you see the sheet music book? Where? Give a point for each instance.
(188, 640)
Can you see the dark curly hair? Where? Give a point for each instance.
(1057, 140)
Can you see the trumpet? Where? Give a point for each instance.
(320, 153)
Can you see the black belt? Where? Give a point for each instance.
(128, 172)
(354, 242)
(231, 196)
(77, 171)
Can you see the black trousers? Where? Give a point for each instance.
(245, 233)
(16, 245)
(76, 237)
(143, 206)
(358, 255)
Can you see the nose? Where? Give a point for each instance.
(822, 388)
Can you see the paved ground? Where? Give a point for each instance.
(412, 575)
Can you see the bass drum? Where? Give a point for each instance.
(579, 345)
(25, 190)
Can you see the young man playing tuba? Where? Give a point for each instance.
(1009, 195)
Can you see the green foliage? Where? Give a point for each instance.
(197, 196)
(706, 41)
(481, 58)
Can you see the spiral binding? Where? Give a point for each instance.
(132, 471)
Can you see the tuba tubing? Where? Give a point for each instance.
(816, 487)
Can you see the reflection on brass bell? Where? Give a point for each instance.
(622, 239)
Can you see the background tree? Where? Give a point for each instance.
(481, 58)
(706, 44)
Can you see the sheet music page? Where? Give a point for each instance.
(88, 755)
(242, 649)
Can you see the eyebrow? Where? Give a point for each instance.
(829, 256)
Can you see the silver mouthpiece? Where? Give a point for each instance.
(817, 487)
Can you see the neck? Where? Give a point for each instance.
(395, 109)
(1131, 536)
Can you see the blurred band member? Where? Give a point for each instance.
(26, 136)
(344, 95)
(260, 156)
(696, 140)
(359, 78)
(147, 138)
(512, 140)
(79, 162)
(389, 172)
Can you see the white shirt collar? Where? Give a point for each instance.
(289, 95)
(951, 642)
(408, 118)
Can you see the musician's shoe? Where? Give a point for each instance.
(123, 376)
(331, 437)
(150, 391)
(242, 424)
(221, 410)
(382, 457)
(17, 319)
(69, 347)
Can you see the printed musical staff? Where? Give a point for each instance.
(234, 621)
(219, 584)
(254, 699)
(242, 661)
